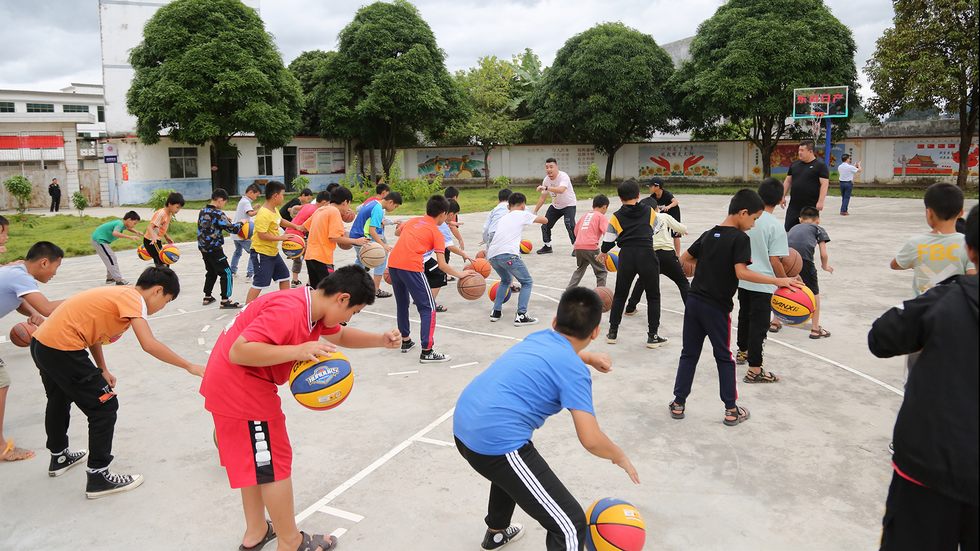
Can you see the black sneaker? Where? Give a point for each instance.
(611, 337)
(656, 341)
(741, 357)
(630, 311)
(495, 315)
(110, 280)
(545, 250)
(496, 540)
(407, 345)
(65, 460)
(122, 282)
(104, 482)
(524, 319)
(432, 357)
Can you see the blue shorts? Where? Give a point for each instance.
(268, 269)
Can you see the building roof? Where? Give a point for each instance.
(679, 50)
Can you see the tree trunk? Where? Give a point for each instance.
(610, 159)
(486, 165)
(387, 147)
(968, 121)
(374, 164)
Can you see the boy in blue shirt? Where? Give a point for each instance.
(500, 409)
(370, 222)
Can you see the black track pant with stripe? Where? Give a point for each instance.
(522, 477)
(217, 269)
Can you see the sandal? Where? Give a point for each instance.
(208, 300)
(382, 294)
(762, 376)
(736, 416)
(440, 308)
(314, 542)
(230, 305)
(13, 453)
(270, 535)
(819, 333)
(774, 327)
(676, 410)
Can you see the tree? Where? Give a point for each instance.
(489, 89)
(388, 82)
(22, 190)
(748, 57)
(305, 68)
(929, 59)
(206, 71)
(606, 88)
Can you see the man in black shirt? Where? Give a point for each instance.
(304, 197)
(662, 200)
(723, 254)
(806, 183)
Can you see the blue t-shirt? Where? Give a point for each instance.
(15, 282)
(369, 215)
(538, 377)
(447, 236)
(768, 238)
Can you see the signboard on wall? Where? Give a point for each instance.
(321, 160)
(109, 153)
(934, 157)
(451, 163)
(573, 159)
(678, 160)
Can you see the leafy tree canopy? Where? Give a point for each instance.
(305, 68)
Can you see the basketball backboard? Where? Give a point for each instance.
(830, 101)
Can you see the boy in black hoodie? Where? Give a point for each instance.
(632, 228)
(933, 497)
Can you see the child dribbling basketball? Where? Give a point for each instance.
(807, 238)
(252, 357)
(156, 232)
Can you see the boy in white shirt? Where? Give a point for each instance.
(490, 225)
(504, 255)
(245, 211)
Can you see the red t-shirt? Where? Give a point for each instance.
(418, 236)
(302, 214)
(251, 393)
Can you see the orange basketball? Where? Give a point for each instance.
(479, 265)
(607, 297)
(387, 277)
(481, 254)
(526, 247)
(20, 334)
(471, 287)
(348, 216)
(792, 263)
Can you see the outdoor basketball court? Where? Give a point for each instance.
(810, 469)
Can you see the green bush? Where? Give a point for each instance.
(301, 182)
(79, 202)
(22, 190)
(159, 198)
(502, 182)
(593, 178)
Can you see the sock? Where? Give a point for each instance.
(59, 453)
(547, 243)
(93, 471)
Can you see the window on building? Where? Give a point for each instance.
(265, 161)
(101, 112)
(6, 107)
(74, 108)
(183, 162)
(40, 108)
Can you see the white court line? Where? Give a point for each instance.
(350, 482)
(346, 515)
(434, 442)
(182, 311)
(338, 533)
(205, 328)
(404, 373)
(221, 317)
(463, 365)
(439, 325)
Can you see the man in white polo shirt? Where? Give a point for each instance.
(847, 172)
(558, 185)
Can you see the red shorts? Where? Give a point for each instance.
(253, 452)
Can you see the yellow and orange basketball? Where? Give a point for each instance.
(526, 247)
(615, 525)
(793, 306)
(142, 253)
(247, 229)
(169, 254)
(322, 384)
(612, 261)
(294, 246)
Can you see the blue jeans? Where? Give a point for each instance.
(845, 194)
(242, 246)
(510, 267)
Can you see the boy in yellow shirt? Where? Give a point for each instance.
(269, 266)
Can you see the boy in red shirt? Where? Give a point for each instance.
(252, 357)
(589, 232)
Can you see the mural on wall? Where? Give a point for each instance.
(678, 159)
(451, 163)
(784, 155)
(321, 160)
(932, 158)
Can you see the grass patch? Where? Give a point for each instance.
(74, 234)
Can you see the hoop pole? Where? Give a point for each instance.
(826, 145)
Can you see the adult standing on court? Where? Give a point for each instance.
(806, 183)
(558, 185)
(847, 172)
(664, 201)
(54, 190)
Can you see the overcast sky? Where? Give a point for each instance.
(49, 43)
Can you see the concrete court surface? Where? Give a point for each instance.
(810, 470)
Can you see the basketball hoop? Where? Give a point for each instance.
(816, 125)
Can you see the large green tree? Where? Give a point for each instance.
(929, 59)
(305, 68)
(388, 82)
(207, 70)
(747, 58)
(606, 87)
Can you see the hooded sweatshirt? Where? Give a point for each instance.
(631, 226)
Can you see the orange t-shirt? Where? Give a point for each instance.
(160, 220)
(91, 317)
(325, 223)
(418, 236)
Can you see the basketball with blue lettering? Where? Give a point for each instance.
(793, 306)
(615, 525)
(293, 246)
(248, 228)
(169, 254)
(322, 384)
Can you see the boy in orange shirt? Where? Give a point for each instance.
(325, 231)
(156, 232)
(89, 320)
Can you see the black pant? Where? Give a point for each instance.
(793, 215)
(754, 310)
(154, 253)
(553, 215)
(670, 266)
(704, 319)
(919, 518)
(216, 267)
(71, 377)
(317, 271)
(522, 477)
(55, 203)
(633, 262)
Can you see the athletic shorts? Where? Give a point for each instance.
(809, 276)
(4, 377)
(253, 452)
(435, 276)
(268, 269)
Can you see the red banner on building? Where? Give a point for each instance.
(32, 142)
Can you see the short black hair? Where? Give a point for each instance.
(131, 215)
(164, 277)
(504, 194)
(551, 160)
(771, 192)
(946, 200)
(845, 157)
(340, 194)
(600, 201)
(394, 197)
(46, 250)
(332, 186)
(655, 182)
(273, 187)
(353, 280)
(808, 144)
(253, 188)
(4, 222)
(971, 228)
(307, 192)
(745, 199)
(453, 206)
(175, 199)
(323, 196)
(219, 194)
(381, 188)
(809, 213)
(579, 312)
(436, 205)
(451, 192)
(628, 190)
(516, 199)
